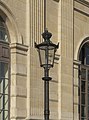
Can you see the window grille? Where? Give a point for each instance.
(81, 85)
(4, 72)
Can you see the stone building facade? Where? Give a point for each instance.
(21, 87)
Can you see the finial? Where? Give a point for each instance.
(46, 35)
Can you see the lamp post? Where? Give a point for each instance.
(46, 51)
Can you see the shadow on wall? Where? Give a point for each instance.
(56, 0)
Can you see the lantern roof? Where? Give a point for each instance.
(46, 43)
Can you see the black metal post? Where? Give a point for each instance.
(46, 78)
(46, 97)
(46, 87)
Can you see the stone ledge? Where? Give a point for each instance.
(19, 46)
(76, 62)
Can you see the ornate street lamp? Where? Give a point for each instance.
(46, 51)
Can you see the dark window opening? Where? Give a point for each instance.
(4, 72)
(84, 55)
(84, 82)
(3, 31)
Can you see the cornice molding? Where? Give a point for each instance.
(82, 12)
(83, 2)
(19, 46)
(77, 62)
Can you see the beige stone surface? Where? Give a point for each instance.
(81, 24)
(25, 22)
(66, 60)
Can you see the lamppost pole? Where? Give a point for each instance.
(46, 74)
(46, 52)
(46, 89)
(46, 79)
(46, 100)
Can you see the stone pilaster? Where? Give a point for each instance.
(66, 60)
(18, 81)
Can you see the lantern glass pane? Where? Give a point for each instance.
(51, 57)
(46, 57)
(42, 57)
(39, 57)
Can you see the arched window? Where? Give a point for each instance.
(84, 54)
(4, 71)
(84, 82)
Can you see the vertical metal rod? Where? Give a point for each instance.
(46, 100)
(46, 88)
(44, 14)
(46, 97)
